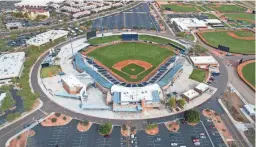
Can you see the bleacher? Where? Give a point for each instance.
(79, 64)
(162, 70)
(168, 77)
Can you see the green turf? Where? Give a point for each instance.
(237, 16)
(244, 33)
(211, 16)
(133, 69)
(48, 71)
(235, 45)
(249, 73)
(229, 8)
(101, 40)
(177, 8)
(110, 55)
(158, 40)
(198, 75)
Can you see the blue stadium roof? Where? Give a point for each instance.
(169, 75)
(116, 97)
(79, 63)
(155, 96)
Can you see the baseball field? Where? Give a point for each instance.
(239, 41)
(227, 8)
(181, 7)
(249, 73)
(246, 18)
(132, 61)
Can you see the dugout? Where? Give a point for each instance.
(130, 36)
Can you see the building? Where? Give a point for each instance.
(11, 66)
(35, 3)
(13, 25)
(2, 96)
(204, 61)
(190, 94)
(249, 109)
(201, 88)
(135, 99)
(71, 84)
(46, 37)
(186, 24)
(33, 13)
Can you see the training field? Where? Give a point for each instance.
(227, 8)
(245, 18)
(181, 8)
(101, 40)
(198, 75)
(249, 73)
(131, 60)
(239, 41)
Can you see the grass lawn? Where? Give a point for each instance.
(198, 75)
(185, 35)
(49, 71)
(211, 16)
(178, 8)
(7, 103)
(110, 55)
(132, 69)
(3, 45)
(158, 40)
(238, 16)
(235, 45)
(101, 40)
(249, 73)
(229, 8)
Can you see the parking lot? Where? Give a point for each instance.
(138, 17)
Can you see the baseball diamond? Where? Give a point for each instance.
(132, 61)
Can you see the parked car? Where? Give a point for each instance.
(196, 141)
(174, 144)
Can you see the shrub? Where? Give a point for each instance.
(12, 116)
(105, 129)
(124, 127)
(54, 120)
(85, 122)
(18, 137)
(151, 126)
(181, 102)
(64, 118)
(133, 128)
(57, 114)
(172, 102)
(192, 116)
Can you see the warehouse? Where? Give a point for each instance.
(204, 62)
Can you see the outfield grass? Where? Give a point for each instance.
(177, 8)
(235, 45)
(101, 40)
(198, 75)
(158, 40)
(237, 16)
(110, 55)
(49, 71)
(229, 8)
(249, 73)
(133, 69)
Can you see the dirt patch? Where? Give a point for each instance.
(83, 128)
(19, 141)
(54, 120)
(232, 34)
(31, 133)
(240, 73)
(218, 123)
(122, 64)
(172, 126)
(152, 131)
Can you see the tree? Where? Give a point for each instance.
(181, 102)
(85, 122)
(198, 49)
(172, 102)
(54, 120)
(105, 129)
(192, 116)
(124, 127)
(151, 126)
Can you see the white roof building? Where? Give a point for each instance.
(185, 24)
(212, 21)
(82, 13)
(191, 94)
(36, 3)
(250, 109)
(11, 65)
(136, 94)
(203, 60)
(202, 87)
(72, 81)
(46, 37)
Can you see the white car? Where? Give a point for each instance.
(174, 144)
